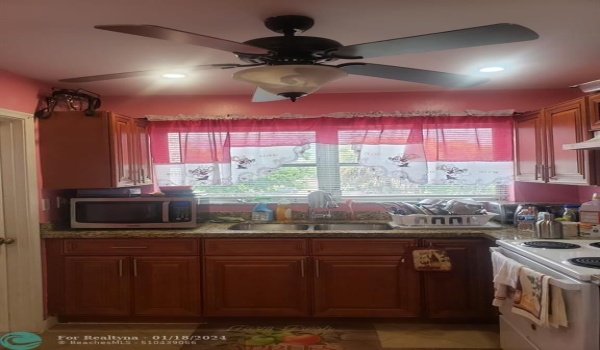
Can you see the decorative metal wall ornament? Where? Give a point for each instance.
(72, 100)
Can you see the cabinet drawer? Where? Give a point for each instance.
(255, 246)
(131, 246)
(323, 246)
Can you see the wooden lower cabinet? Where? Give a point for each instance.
(97, 285)
(467, 290)
(138, 286)
(266, 277)
(166, 286)
(256, 286)
(371, 286)
(123, 278)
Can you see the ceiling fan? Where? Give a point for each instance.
(292, 66)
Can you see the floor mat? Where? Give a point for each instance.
(284, 336)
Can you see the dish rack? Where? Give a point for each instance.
(441, 220)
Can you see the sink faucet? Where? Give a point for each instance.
(319, 200)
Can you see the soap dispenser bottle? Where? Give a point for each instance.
(262, 213)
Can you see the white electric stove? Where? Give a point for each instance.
(562, 260)
(567, 256)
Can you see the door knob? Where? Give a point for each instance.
(6, 241)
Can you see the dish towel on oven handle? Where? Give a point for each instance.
(431, 260)
(506, 274)
(537, 300)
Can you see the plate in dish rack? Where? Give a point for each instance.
(446, 221)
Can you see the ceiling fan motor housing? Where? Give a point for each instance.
(291, 50)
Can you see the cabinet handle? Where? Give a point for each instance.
(134, 267)
(120, 267)
(302, 267)
(317, 267)
(402, 261)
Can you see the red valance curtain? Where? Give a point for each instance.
(406, 147)
(443, 136)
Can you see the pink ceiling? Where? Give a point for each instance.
(52, 40)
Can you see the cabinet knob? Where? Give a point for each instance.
(6, 241)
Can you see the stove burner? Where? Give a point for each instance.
(595, 244)
(550, 245)
(593, 262)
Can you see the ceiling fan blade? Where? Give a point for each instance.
(261, 95)
(180, 36)
(412, 74)
(477, 36)
(143, 73)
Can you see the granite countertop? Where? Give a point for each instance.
(492, 231)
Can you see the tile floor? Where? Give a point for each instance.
(209, 336)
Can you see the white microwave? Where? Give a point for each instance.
(137, 212)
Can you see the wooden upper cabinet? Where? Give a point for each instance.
(141, 145)
(594, 111)
(106, 150)
(539, 137)
(567, 123)
(122, 150)
(528, 147)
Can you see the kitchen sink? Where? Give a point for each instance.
(352, 227)
(267, 227)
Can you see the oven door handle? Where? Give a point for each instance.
(560, 283)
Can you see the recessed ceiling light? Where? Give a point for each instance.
(491, 69)
(174, 75)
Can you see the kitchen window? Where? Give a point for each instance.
(371, 157)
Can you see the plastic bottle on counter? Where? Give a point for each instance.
(261, 212)
(526, 219)
(283, 212)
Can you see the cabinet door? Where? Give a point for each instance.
(75, 151)
(122, 150)
(141, 145)
(594, 111)
(166, 286)
(567, 123)
(97, 285)
(528, 147)
(467, 290)
(256, 286)
(374, 286)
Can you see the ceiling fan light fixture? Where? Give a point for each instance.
(493, 69)
(174, 75)
(291, 81)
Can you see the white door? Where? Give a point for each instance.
(21, 295)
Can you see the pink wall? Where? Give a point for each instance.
(538, 192)
(521, 100)
(18, 93)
